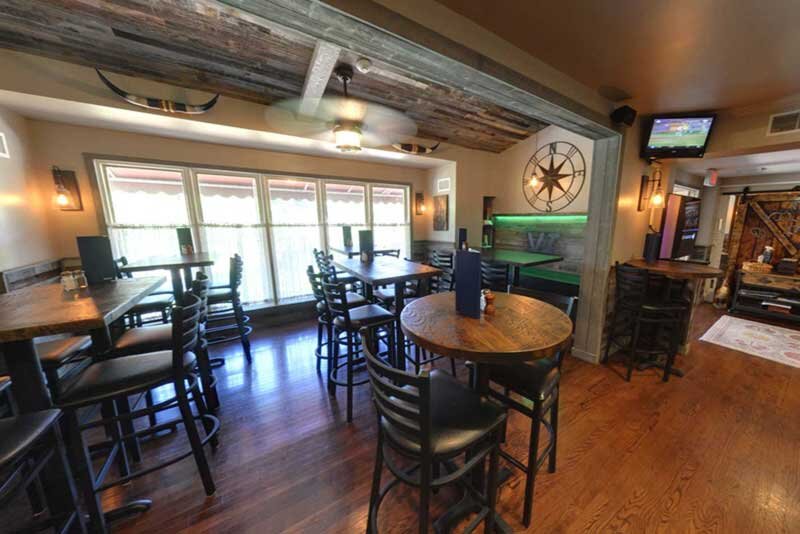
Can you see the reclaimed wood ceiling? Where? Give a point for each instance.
(202, 44)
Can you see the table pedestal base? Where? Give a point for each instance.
(132, 508)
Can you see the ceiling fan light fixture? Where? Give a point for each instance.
(347, 137)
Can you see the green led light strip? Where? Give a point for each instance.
(562, 218)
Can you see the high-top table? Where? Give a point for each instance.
(385, 270)
(175, 264)
(517, 259)
(46, 310)
(521, 329)
(684, 271)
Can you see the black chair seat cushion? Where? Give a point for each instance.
(365, 316)
(533, 380)
(387, 294)
(353, 300)
(144, 339)
(459, 418)
(154, 303)
(54, 352)
(21, 432)
(122, 376)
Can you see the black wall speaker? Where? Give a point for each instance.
(624, 115)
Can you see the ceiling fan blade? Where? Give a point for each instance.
(380, 125)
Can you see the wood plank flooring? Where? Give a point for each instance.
(716, 451)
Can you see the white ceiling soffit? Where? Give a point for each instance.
(784, 161)
(95, 116)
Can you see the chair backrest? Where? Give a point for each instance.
(494, 276)
(632, 285)
(323, 260)
(402, 399)
(235, 273)
(200, 287)
(185, 330)
(442, 259)
(315, 280)
(567, 304)
(336, 298)
(119, 263)
(446, 281)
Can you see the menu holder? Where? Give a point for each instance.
(366, 246)
(347, 236)
(185, 241)
(97, 259)
(468, 283)
(462, 239)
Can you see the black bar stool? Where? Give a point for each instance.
(159, 338)
(539, 382)
(347, 322)
(31, 441)
(226, 312)
(108, 381)
(325, 320)
(644, 322)
(430, 419)
(494, 276)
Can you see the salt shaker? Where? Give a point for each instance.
(68, 282)
(80, 280)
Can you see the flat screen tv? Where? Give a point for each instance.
(677, 136)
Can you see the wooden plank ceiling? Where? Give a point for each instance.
(201, 44)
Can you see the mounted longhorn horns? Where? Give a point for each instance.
(157, 104)
(413, 148)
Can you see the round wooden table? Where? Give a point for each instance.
(521, 329)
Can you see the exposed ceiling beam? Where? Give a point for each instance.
(319, 72)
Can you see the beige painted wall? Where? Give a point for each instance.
(64, 145)
(511, 164)
(24, 203)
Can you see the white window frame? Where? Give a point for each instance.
(194, 206)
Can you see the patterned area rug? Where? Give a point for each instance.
(765, 341)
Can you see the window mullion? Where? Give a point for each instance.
(266, 216)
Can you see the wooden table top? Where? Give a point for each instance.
(45, 310)
(681, 270)
(170, 261)
(521, 329)
(520, 258)
(385, 270)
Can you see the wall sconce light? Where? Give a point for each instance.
(67, 194)
(419, 203)
(651, 195)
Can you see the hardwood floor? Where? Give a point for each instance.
(716, 451)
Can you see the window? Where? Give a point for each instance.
(231, 222)
(345, 205)
(295, 233)
(145, 206)
(390, 218)
(273, 222)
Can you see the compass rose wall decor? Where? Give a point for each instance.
(554, 176)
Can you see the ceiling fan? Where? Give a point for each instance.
(350, 123)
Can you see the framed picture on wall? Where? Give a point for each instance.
(441, 216)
